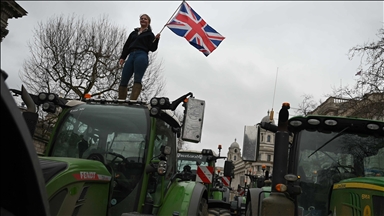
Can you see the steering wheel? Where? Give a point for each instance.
(97, 157)
(117, 156)
(338, 166)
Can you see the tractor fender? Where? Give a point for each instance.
(197, 195)
(183, 198)
(255, 196)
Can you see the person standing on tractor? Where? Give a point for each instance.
(140, 41)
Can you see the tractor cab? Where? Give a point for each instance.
(322, 165)
(112, 157)
(328, 151)
(118, 136)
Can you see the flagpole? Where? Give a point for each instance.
(170, 18)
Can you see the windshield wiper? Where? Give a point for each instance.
(337, 135)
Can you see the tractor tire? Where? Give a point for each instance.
(219, 212)
(203, 207)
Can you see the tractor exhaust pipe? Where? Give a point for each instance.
(27, 99)
(278, 203)
(30, 115)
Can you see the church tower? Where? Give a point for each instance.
(234, 153)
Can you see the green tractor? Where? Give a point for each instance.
(323, 165)
(200, 166)
(117, 157)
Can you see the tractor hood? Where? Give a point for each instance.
(51, 168)
(379, 181)
(74, 169)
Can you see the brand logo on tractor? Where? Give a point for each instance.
(189, 156)
(91, 176)
(87, 175)
(338, 186)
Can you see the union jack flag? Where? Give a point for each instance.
(188, 24)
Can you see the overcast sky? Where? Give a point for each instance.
(306, 42)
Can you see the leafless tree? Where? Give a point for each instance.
(73, 57)
(366, 97)
(306, 106)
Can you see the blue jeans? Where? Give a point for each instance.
(137, 64)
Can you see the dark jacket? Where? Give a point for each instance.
(144, 42)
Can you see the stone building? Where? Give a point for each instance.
(9, 9)
(370, 106)
(265, 157)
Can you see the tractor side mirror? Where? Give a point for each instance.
(193, 120)
(251, 143)
(228, 168)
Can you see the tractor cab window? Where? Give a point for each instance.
(347, 156)
(165, 137)
(115, 135)
(193, 160)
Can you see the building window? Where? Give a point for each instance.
(268, 157)
(262, 137)
(258, 168)
(234, 157)
(269, 138)
(259, 158)
(235, 150)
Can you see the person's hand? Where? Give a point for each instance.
(121, 62)
(157, 36)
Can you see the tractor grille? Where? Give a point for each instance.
(378, 207)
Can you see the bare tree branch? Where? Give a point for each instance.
(306, 106)
(73, 57)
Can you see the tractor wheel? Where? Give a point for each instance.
(203, 207)
(219, 212)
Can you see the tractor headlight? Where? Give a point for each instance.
(162, 101)
(295, 123)
(330, 122)
(154, 111)
(373, 126)
(154, 101)
(42, 96)
(162, 168)
(290, 177)
(49, 107)
(313, 121)
(51, 97)
(207, 152)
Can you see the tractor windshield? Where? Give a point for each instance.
(346, 156)
(193, 160)
(115, 135)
